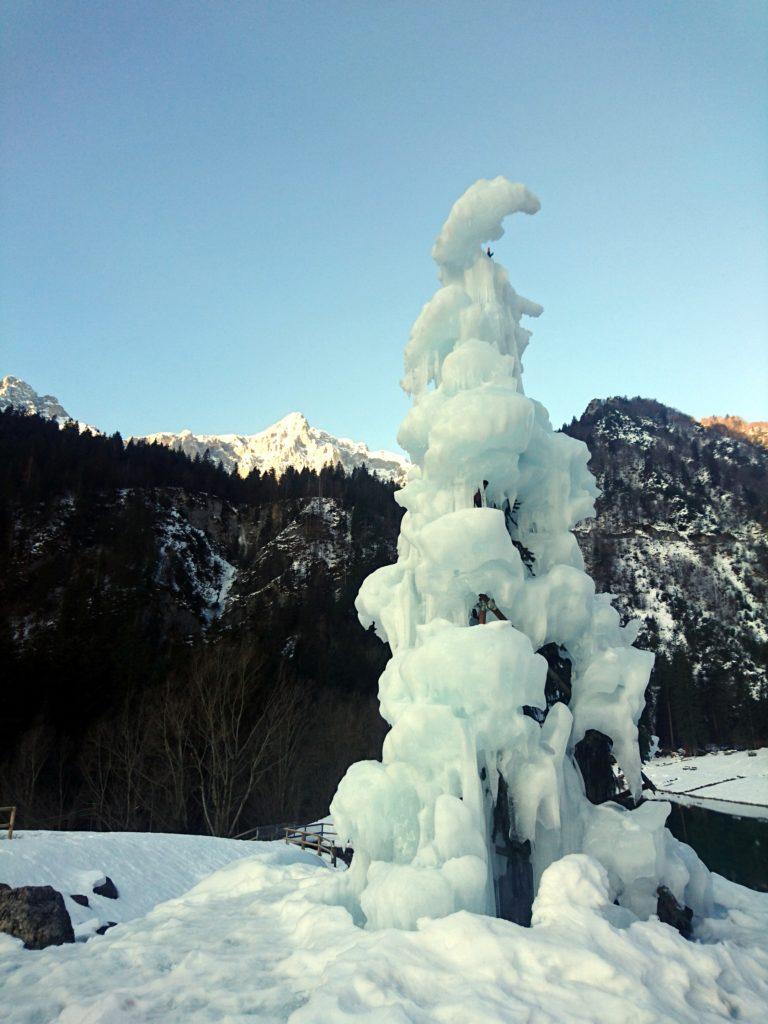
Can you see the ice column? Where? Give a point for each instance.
(479, 787)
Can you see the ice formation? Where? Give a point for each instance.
(482, 785)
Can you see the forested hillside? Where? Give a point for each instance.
(179, 645)
(680, 538)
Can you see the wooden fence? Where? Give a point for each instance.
(11, 820)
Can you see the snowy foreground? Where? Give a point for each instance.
(254, 941)
(732, 782)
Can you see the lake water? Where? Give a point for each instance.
(736, 848)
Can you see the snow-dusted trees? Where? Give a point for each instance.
(479, 788)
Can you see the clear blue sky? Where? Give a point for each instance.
(213, 214)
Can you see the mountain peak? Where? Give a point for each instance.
(16, 393)
(293, 423)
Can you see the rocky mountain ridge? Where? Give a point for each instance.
(681, 539)
(289, 442)
(17, 394)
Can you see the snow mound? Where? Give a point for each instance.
(254, 942)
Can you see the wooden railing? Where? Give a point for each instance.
(266, 833)
(321, 838)
(11, 820)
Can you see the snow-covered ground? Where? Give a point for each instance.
(732, 782)
(254, 941)
(147, 868)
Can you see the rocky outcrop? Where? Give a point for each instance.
(35, 914)
(756, 432)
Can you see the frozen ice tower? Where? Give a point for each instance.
(512, 689)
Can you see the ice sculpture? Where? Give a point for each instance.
(512, 686)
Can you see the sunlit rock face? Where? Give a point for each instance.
(479, 789)
(15, 393)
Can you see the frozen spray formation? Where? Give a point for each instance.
(491, 769)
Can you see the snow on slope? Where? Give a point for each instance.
(255, 941)
(717, 780)
(147, 868)
(289, 442)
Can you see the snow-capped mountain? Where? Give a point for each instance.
(16, 393)
(289, 442)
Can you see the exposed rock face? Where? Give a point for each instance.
(35, 914)
(757, 432)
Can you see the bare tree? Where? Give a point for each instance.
(20, 778)
(239, 733)
(115, 770)
(217, 749)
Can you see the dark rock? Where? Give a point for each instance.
(670, 912)
(79, 898)
(343, 853)
(35, 914)
(107, 888)
(514, 884)
(595, 761)
(105, 927)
